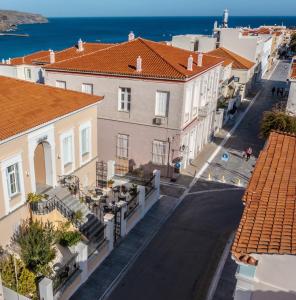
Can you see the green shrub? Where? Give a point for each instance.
(78, 216)
(69, 238)
(33, 197)
(25, 278)
(36, 241)
(277, 120)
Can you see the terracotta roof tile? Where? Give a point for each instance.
(28, 59)
(238, 62)
(158, 61)
(25, 105)
(72, 52)
(268, 223)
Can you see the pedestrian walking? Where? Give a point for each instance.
(249, 152)
(273, 91)
(282, 92)
(277, 91)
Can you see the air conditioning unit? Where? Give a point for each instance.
(157, 121)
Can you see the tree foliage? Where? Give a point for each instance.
(277, 120)
(36, 240)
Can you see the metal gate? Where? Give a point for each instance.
(117, 224)
(101, 174)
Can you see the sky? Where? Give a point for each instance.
(94, 8)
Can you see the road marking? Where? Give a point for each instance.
(217, 190)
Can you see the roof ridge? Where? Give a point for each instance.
(167, 62)
(86, 54)
(233, 54)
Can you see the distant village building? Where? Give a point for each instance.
(46, 133)
(264, 247)
(160, 101)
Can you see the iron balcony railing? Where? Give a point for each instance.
(132, 204)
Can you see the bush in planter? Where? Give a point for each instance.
(36, 241)
(69, 238)
(33, 198)
(26, 278)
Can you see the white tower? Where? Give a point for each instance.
(225, 18)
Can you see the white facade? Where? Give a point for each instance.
(131, 108)
(30, 73)
(273, 278)
(194, 42)
(291, 105)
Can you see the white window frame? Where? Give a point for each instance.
(61, 84)
(28, 71)
(86, 125)
(161, 110)
(67, 134)
(188, 103)
(17, 159)
(124, 103)
(86, 86)
(196, 97)
(120, 149)
(159, 158)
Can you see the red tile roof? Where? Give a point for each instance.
(24, 105)
(293, 71)
(28, 59)
(268, 223)
(238, 62)
(42, 57)
(73, 52)
(158, 61)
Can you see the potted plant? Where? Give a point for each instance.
(110, 183)
(34, 197)
(133, 190)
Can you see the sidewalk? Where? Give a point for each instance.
(104, 277)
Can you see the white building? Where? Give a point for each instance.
(265, 243)
(253, 47)
(195, 42)
(160, 101)
(291, 104)
(29, 67)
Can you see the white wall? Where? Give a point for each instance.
(19, 72)
(232, 39)
(8, 71)
(291, 105)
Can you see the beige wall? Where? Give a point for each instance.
(12, 210)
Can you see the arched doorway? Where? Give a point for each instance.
(43, 167)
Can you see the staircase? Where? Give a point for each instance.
(91, 227)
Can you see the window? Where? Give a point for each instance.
(124, 99)
(87, 88)
(122, 146)
(67, 150)
(188, 98)
(159, 152)
(61, 84)
(85, 141)
(28, 73)
(196, 98)
(13, 179)
(161, 104)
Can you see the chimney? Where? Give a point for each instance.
(131, 36)
(80, 45)
(8, 61)
(190, 63)
(199, 59)
(51, 57)
(139, 64)
(3, 61)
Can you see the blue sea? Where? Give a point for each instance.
(60, 33)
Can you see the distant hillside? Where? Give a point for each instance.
(10, 19)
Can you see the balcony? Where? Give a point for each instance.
(205, 110)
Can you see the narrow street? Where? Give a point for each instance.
(181, 259)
